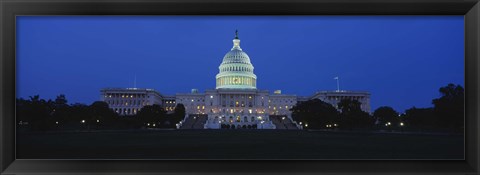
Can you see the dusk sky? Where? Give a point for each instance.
(401, 60)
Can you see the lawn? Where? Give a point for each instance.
(237, 144)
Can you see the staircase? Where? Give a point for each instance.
(194, 122)
(283, 122)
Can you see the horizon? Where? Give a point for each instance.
(401, 61)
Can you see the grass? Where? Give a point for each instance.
(237, 144)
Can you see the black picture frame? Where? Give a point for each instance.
(11, 8)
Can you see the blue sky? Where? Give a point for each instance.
(401, 60)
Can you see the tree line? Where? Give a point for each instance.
(447, 114)
(40, 115)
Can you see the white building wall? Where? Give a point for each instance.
(128, 101)
(334, 97)
(281, 104)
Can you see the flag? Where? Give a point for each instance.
(336, 78)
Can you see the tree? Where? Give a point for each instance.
(386, 114)
(61, 100)
(61, 111)
(316, 113)
(101, 114)
(151, 114)
(420, 118)
(38, 112)
(178, 114)
(352, 115)
(449, 108)
(79, 115)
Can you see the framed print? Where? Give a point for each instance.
(269, 87)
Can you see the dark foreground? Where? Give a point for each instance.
(237, 144)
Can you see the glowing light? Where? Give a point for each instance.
(283, 118)
(56, 123)
(300, 123)
(153, 125)
(401, 123)
(306, 125)
(98, 121)
(148, 124)
(211, 96)
(83, 121)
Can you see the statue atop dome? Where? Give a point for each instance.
(236, 34)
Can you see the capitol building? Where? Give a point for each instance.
(234, 103)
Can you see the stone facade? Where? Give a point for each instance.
(128, 101)
(235, 101)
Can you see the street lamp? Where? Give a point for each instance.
(83, 121)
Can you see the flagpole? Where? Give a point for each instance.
(135, 82)
(338, 84)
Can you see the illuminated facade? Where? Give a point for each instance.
(235, 101)
(130, 100)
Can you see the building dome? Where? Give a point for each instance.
(236, 70)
